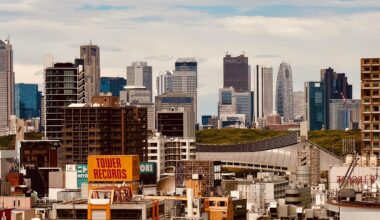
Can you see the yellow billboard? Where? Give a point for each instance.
(113, 168)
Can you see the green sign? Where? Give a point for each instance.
(82, 174)
(147, 167)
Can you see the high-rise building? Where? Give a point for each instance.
(370, 106)
(164, 82)
(185, 79)
(168, 101)
(7, 84)
(344, 114)
(284, 92)
(64, 85)
(176, 123)
(227, 101)
(139, 96)
(298, 105)
(140, 74)
(112, 84)
(263, 91)
(244, 105)
(336, 87)
(91, 55)
(108, 130)
(315, 105)
(236, 73)
(232, 103)
(27, 101)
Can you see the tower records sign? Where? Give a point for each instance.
(113, 168)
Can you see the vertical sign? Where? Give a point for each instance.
(82, 174)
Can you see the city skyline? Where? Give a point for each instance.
(268, 33)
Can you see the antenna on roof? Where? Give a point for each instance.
(90, 42)
(7, 40)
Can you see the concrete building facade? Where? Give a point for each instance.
(236, 73)
(64, 85)
(91, 55)
(140, 74)
(263, 91)
(164, 82)
(7, 84)
(185, 79)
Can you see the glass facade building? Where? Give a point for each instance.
(315, 105)
(336, 87)
(27, 101)
(284, 92)
(112, 84)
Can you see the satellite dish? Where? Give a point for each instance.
(365, 187)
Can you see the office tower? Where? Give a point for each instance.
(370, 106)
(336, 87)
(315, 105)
(185, 79)
(284, 92)
(91, 55)
(227, 101)
(27, 101)
(232, 103)
(236, 73)
(7, 84)
(176, 123)
(164, 82)
(112, 84)
(139, 96)
(167, 101)
(103, 129)
(64, 85)
(298, 104)
(344, 114)
(263, 91)
(140, 74)
(244, 105)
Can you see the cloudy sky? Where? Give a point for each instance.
(310, 35)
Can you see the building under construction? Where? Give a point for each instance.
(103, 128)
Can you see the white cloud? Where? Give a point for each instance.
(148, 30)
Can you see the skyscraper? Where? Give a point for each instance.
(7, 85)
(139, 96)
(91, 55)
(370, 106)
(185, 79)
(164, 82)
(227, 101)
(64, 85)
(298, 104)
(27, 101)
(140, 74)
(284, 92)
(112, 84)
(263, 91)
(236, 73)
(336, 87)
(315, 105)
